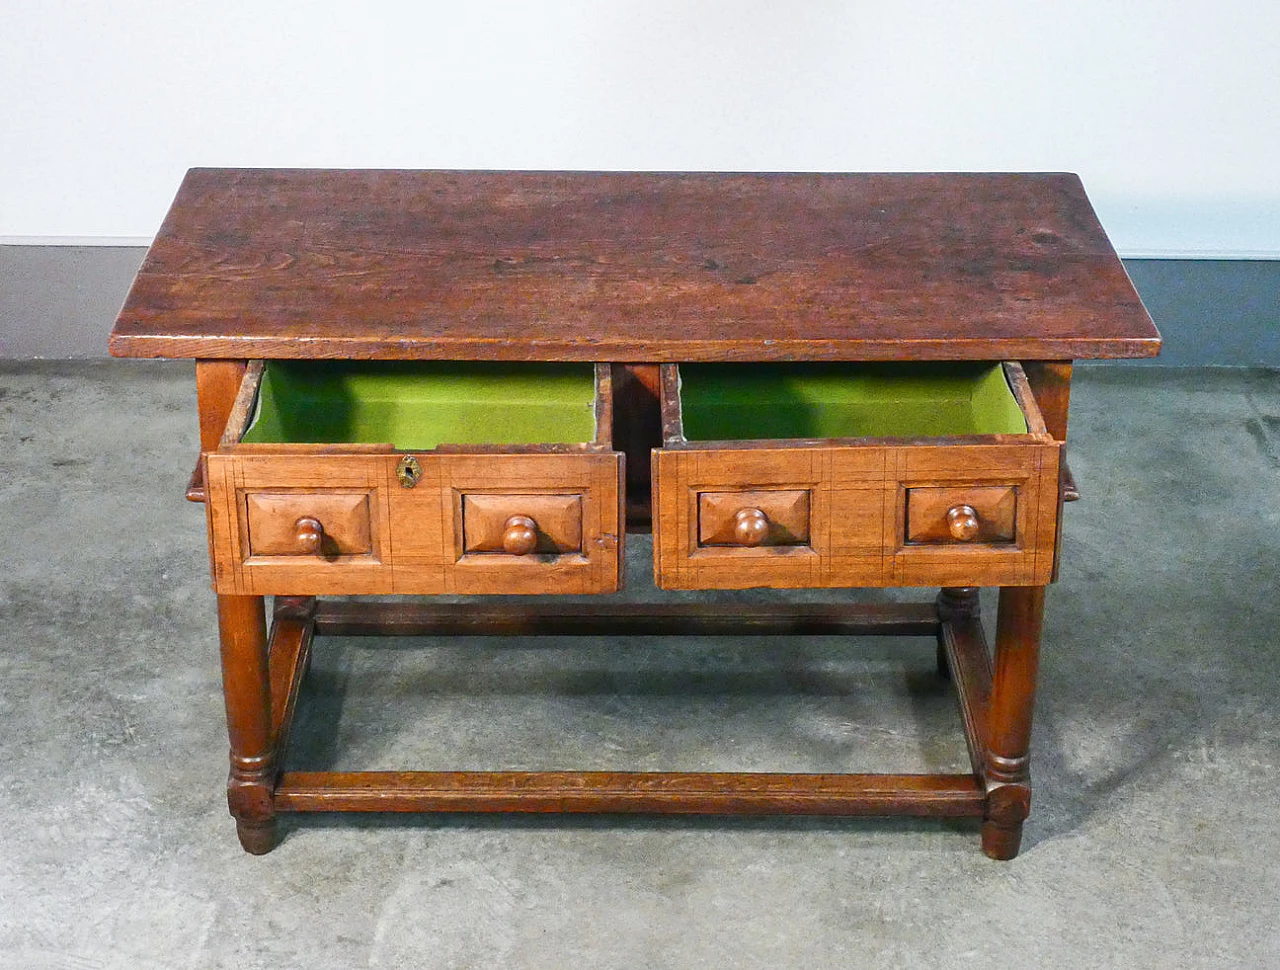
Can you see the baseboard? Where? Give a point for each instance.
(60, 302)
(1222, 312)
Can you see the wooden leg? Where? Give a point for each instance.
(243, 635)
(1051, 383)
(217, 383)
(1013, 693)
(246, 687)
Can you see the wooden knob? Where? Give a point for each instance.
(519, 535)
(750, 527)
(962, 521)
(309, 534)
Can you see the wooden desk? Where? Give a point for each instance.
(637, 273)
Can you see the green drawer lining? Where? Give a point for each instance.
(740, 401)
(419, 405)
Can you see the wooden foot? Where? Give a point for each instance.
(1000, 841)
(257, 838)
(1007, 806)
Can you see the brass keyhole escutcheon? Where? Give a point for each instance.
(409, 471)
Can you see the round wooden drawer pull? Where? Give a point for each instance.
(310, 534)
(962, 522)
(519, 535)
(750, 527)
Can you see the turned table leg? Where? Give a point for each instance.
(1013, 693)
(242, 631)
(246, 688)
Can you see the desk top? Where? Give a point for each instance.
(631, 267)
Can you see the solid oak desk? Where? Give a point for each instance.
(636, 274)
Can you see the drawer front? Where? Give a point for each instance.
(754, 518)
(951, 515)
(572, 517)
(521, 523)
(857, 515)
(333, 523)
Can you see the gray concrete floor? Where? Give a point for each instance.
(1154, 839)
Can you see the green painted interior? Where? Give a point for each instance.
(737, 401)
(420, 405)
(417, 406)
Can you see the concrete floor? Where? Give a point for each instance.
(1154, 839)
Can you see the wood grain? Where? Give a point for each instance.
(1007, 764)
(240, 416)
(786, 510)
(604, 406)
(594, 479)
(631, 267)
(702, 793)
(965, 647)
(1030, 468)
(859, 533)
(428, 618)
(415, 537)
(195, 483)
(246, 691)
(637, 423)
(233, 478)
(289, 658)
(654, 269)
(218, 383)
(271, 521)
(557, 519)
(1050, 381)
(380, 537)
(996, 508)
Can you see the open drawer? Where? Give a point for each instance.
(378, 477)
(818, 475)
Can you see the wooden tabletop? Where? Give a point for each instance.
(631, 267)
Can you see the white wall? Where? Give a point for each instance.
(1169, 110)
